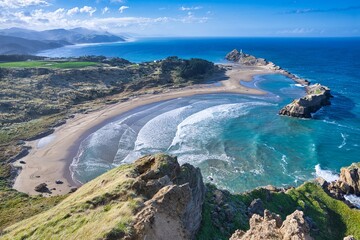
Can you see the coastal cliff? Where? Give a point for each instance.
(316, 97)
(156, 198)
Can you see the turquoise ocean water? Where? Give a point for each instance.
(238, 141)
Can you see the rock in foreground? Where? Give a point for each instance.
(317, 96)
(271, 226)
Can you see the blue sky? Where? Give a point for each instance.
(294, 18)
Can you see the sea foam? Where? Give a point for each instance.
(328, 175)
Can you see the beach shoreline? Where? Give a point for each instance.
(51, 162)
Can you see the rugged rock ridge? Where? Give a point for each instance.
(271, 226)
(316, 97)
(348, 182)
(176, 195)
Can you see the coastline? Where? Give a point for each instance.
(51, 162)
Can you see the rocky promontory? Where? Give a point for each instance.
(316, 97)
(247, 60)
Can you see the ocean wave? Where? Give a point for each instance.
(328, 175)
(159, 131)
(204, 126)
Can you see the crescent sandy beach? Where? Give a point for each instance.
(50, 162)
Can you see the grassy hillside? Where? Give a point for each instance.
(333, 219)
(103, 208)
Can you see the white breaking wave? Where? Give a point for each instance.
(328, 175)
(159, 131)
(203, 127)
(344, 136)
(355, 200)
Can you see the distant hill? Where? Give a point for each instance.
(16, 45)
(24, 41)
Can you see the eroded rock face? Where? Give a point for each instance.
(351, 177)
(271, 226)
(317, 96)
(175, 197)
(348, 182)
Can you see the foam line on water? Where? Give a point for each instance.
(344, 136)
(328, 175)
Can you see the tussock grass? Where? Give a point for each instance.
(102, 208)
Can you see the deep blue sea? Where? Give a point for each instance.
(239, 142)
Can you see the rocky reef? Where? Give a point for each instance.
(271, 226)
(316, 97)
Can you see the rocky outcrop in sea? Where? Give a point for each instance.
(316, 97)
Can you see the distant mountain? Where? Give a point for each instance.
(29, 41)
(16, 45)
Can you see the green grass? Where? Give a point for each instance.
(101, 209)
(46, 64)
(333, 218)
(15, 206)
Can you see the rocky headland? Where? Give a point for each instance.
(247, 60)
(316, 96)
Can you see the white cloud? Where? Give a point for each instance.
(22, 3)
(41, 19)
(190, 8)
(73, 11)
(105, 10)
(123, 8)
(87, 9)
